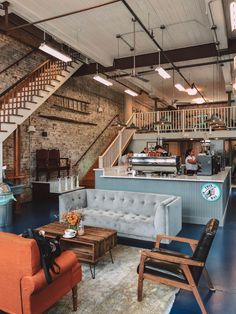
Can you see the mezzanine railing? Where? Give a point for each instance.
(185, 120)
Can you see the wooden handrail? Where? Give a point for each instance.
(17, 61)
(22, 79)
(106, 127)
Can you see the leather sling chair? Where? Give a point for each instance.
(177, 269)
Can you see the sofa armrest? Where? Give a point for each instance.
(31, 284)
(174, 216)
(168, 216)
(71, 200)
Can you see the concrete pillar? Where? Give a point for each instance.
(128, 107)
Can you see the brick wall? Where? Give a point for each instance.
(71, 139)
(11, 51)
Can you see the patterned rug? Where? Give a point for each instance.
(114, 290)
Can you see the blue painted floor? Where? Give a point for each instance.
(221, 263)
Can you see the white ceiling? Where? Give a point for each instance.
(93, 33)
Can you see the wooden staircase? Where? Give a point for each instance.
(19, 101)
(88, 180)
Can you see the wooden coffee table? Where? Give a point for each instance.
(90, 247)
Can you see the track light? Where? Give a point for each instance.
(102, 80)
(233, 15)
(55, 53)
(131, 92)
(162, 73)
(180, 87)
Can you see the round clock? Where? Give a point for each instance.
(211, 192)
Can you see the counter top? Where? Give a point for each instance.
(121, 173)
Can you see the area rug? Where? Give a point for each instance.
(114, 290)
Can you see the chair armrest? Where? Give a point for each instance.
(31, 284)
(169, 252)
(171, 258)
(160, 237)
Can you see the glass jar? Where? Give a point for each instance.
(80, 228)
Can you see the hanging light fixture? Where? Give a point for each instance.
(198, 101)
(233, 15)
(191, 91)
(52, 51)
(165, 75)
(101, 79)
(55, 53)
(131, 92)
(180, 87)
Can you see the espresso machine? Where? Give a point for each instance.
(208, 162)
(163, 165)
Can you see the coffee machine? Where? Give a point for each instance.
(208, 165)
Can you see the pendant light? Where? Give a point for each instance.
(163, 73)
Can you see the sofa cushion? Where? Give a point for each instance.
(127, 223)
(132, 202)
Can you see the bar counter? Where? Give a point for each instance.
(198, 206)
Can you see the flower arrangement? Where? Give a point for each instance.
(72, 218)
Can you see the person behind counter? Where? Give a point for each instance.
(124, 160)
(191, 162)
(160, 151)
(144, 151)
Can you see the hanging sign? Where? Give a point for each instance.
(211, 192)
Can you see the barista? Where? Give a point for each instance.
(160, 151)
(191, 162)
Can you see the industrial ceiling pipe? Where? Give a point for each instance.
(62, 15)
(159, 47)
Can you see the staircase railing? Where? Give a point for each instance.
(96, 139)
(114, 151)
(186, 120)
(16, 96)
(18, 60)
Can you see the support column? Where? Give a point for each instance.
(128, 107)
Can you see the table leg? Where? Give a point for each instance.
(92, 271)
(111, 256)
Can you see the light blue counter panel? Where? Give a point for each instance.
(195, 208)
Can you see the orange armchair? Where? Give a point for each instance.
(23, 287)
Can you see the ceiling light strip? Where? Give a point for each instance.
(102, 80)
(233, 15)
(55, 53)
(165, 75)
(131, 92)
(180, 87)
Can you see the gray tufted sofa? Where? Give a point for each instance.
(132, 214)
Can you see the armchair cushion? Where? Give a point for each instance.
(165, 270)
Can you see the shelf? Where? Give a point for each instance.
(56, 118)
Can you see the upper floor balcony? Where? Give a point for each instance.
(216, 121)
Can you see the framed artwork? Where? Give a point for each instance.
(151, 145)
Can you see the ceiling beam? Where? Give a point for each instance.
(150, 59)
